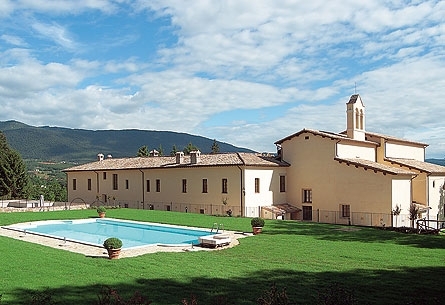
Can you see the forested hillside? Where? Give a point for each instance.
(79, 145)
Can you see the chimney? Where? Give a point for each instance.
(154, 153)
(109, 156)
(179, 157)
(195, 156)
(100, 157)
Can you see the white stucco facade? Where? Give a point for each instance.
(398, 150)
(349, 150)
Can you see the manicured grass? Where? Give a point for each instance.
(378, 267)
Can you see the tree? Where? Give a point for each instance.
(396, 212)
(14, 180)
(413, 213)
(190, 147)
(143, 151)
(173, 151)
(160, 150)
(215, 147)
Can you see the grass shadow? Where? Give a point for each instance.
(397, 287)
(344, 233)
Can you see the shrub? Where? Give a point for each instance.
(101, 209)
(109, 296)
(257, 222)
(274, 297)
(113, 243)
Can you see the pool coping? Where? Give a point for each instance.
(90, 250)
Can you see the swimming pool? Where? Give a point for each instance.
(95, 231)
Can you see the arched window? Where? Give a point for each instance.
(357, 119)
(361, 119)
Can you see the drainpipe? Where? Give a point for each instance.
(97, 183)
(242, 192)
(143, 191)
(411, 188)
(428, 195)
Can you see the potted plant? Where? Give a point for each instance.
(101, 211)
(113, 246)
(257, 225)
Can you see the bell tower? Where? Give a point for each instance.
(355, 118)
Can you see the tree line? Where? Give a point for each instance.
(17, 183)
(143, 151)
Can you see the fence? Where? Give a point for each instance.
(429, 224)
(211, 209)
(355, 218)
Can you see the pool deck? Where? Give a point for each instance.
(93, 251)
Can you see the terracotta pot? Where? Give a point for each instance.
(101, 215)
(113, 253)
(257, 230)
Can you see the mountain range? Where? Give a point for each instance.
(80, 145)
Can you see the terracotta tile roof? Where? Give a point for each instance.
(426, 167)
(353, 99)
(325, 134)
(228, 159)
(375, 166)
(391, 138)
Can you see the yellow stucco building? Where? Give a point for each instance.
(355, 177)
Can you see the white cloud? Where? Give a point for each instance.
(65, 6)
(13, 40)
(57, 33)
(293, 64)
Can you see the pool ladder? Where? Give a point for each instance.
(217, 227)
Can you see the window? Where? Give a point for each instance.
(148, 186)
(224, 185)
(104, 175)
(184, 185)
(307, 213)
(204, 185)
(307, 196)
(257, 185)
(74, 184)
(434, 183)
(345, 210)
(127, 184)
(89, 184)
(115, 182)
(282, 184)
(158, 185)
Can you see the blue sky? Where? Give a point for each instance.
(244, 72)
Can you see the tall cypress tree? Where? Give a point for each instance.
(14, 179)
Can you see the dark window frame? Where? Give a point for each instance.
(307, 196)
(184, 185)
(115, 182)
(282, 183)
(224, 189)
(257, 185)
(204, 185)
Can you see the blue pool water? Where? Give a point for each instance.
(132, 234)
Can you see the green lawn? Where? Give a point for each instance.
(378, 267)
